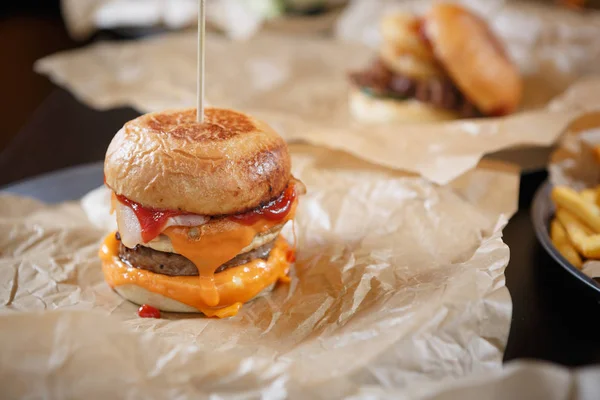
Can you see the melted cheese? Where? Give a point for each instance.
(233, 287)
(211, 251)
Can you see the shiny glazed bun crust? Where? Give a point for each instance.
(229, 164)
(474, 58)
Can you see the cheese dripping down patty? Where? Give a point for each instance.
(220, 240)
(213, 243)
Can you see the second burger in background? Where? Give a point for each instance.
(442, 66)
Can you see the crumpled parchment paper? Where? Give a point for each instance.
(398, 286)
(300, 87)
(518, 380)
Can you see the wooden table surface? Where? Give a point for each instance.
(554, 318)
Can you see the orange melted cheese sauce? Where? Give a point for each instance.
(211, 251)
(232, 287)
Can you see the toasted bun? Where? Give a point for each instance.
(370, 109)
(140, 295)
(474, 58)
(229, 164)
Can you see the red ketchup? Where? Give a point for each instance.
(152, 221)
(291, 256)
(276, 210)
(146, 311)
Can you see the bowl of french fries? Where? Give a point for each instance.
(566, 210)
(567, 223)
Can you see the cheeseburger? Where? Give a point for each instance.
(199, 209)
(444, 65)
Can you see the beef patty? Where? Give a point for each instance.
(378, 80)
(177, 265)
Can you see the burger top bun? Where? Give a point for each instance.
(474, 58)
(230, 163)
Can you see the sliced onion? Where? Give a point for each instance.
(187, 220)
(131, 230)
(129, 226)
(299, 186)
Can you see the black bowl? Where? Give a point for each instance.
(542, 211)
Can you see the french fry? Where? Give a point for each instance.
(571, 201)
(557, 232)
(563, 245)
(598, 196)
(584, 241)
(589, 196)
(570, 254)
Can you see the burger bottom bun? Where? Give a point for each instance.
(139, 295)
(371, 109)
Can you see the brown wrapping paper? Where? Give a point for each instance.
(300, 87)
(574, 164)
(398, 286)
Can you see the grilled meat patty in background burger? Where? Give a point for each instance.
(442, 66)
(199, 210)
